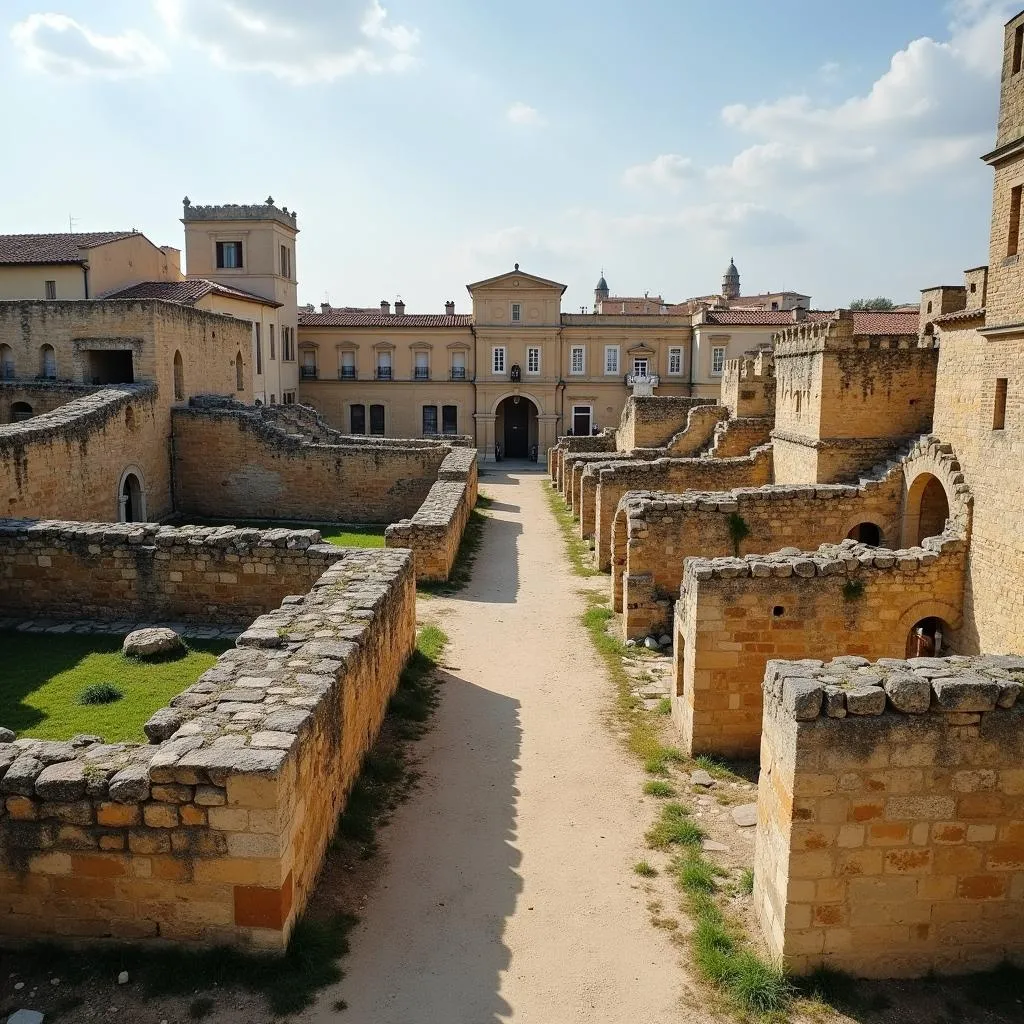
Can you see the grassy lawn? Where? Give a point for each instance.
(44, 676)
(344, 535)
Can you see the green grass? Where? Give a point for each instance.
(469, 547)
(664, 706)
(746, 883)
(644, 869)
(716, 769)
(696, 874)
(46, 676)
(577, 549)
(659, 788)
(345, 535)
(674, 827)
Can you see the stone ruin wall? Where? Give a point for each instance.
(603, 442)
(142, 571)
(735, 614)
(435, 531)
(231, 463)
(67, 463)
(734, 437)
(653, 533)
(213, 833)
(41, 395)
(650, 421)
(890, 832)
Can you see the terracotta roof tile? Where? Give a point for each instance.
(960, 314)
(187, 292)
(350, 317)
(754, 317)
(58, 248)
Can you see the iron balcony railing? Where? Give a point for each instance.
(383, 373)
(308, 372)
(651, 379)
(458, 373)
(421, 373)
(347, 373)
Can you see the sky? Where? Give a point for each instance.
(830, 148)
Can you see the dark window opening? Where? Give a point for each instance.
(229, 255)
(377, 420)
(1013, 232)
(929, 309)
(1018, 46)
(449, 419)
(926, 638)
(999, 415)
(110, 367)
(974, 287)
(866, 533)
(20, 411)
(357, 419)
(430, 419)
(778, 610)
(132, 505)
(581, 420)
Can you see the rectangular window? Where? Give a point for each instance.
(377, 420)
(498, 359)
(288, 344)
(717, 360)
(517, 312)
(999, 416)
(271, 329)
(429, 419)
(639, 367)
(348, 366)
(357, 419)
(289, 397)
(533, 359)
(383, 369)
(449, 419)
(577, 359)
(1013, 232)
(308, 370)
(581, 420)
(51, 289)
(229, 255)
(286, 261)
(675, 360)
(423, 369)
(258, 342)
(1018, 46)
(458, 366)
(611, 359)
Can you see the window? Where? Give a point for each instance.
(229, 255)
(717, 360)
(271, 328)
(377, 420)
(287, 344)
(533, 359)
(498, 359)
(6, 362)
(929, 309)
(775, 307)
(239, 370)
(458, 366)
(357, 419)
(429, 419)
(1018, 46)
(675, 360)
(348, 366)
(51, 289)
(20, 411)
(422, 370)
(179, 378)
(308, 370)
(581, 420)
(517, 312)
(999, 416)
(258, 342)
(286, 261)
(1013, 234)
(974, 287)
(273, 399)
(639, 367)
(47, 363)
(449, 419)
(611, 359)
(288, 398)
(383, 366)
(577, 359)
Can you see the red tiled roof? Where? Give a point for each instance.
(865, 322)
(187, 292)
(754, 317)
(869, 322)
(960, 314)
(349, 317)
(59, 248)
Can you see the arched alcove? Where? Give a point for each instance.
(179, 378)
(867, 533)
(131, 496)
(47, 362)
(239, 374)
(926, 509)
(20, 411)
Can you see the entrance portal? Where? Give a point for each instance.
(515, 426)
(131, 497)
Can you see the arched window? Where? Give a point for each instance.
(6, 363)
(20, 411)
(929, 309)
(925, 510)
(179, 378)
(131, 497)
(47, 362)
(239, 378)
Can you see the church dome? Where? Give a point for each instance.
(731, 273)
(602, 284)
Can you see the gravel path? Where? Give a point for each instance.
(508, 891)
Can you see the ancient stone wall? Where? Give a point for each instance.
(735, 437)
(138, 571)
(735, 614)
(651, 421)
(890, 832)
(40, 395)
(215, 831)
(233, 462)
(435, 531)
(603, 442)
(748, 386)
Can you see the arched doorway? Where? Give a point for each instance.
(20, 411)
(927, 638)
(926, 509)
(131, 497)
(515, 427)
(866, 533)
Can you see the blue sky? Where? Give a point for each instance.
(830, 148)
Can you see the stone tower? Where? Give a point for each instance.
(731, 282)
(600, 292)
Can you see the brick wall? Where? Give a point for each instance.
(138, 571)
(890, 833)
(215, 831)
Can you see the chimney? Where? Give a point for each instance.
(325, 307)
(399, 307)
(385, 307)
(799, 314)
(449, 308)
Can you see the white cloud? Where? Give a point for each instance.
(303, 42)
(783, 163)
(667, 171)
(523, 113)
(59, 45)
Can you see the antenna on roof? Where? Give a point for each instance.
(71, 224)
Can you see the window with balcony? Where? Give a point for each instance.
(458, 366)
(498, 359)
(577, 359)
(533, 359)
(357, 419)
(421, 371)
(675, 361)
(377, 420)
(717, 360)
(308, 368)
(640, 367)
(611, 359)
(449, 419)
(429, 419)
(383, 366)
(229, 255)
(347, 370)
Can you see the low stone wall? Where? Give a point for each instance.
(40, 395)
(653, 533)
(675, 475)
(435, 531)
(735, 614)
(215, 831)
(603, 442)
(138, 571)
(890, 832)
(231, 460)
(738, 436)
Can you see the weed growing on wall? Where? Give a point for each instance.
(739, 531)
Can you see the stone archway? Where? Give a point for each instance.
(925, 509)
(516, 427)
(867, 532)
(935, 494)
(131, 496)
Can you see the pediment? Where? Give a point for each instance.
(515, 279)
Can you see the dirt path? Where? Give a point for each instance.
(508, 892)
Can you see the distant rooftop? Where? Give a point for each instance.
(63, 247)
(188, 292)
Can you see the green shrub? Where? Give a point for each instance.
(674, 828)
(100, 693)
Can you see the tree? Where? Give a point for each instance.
(880, 303)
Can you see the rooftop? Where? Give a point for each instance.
(354, 317)
(63, 247)
(187, 292)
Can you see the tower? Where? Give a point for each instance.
(731, 282)
(600, 292)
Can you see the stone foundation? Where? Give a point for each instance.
(890, 834)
